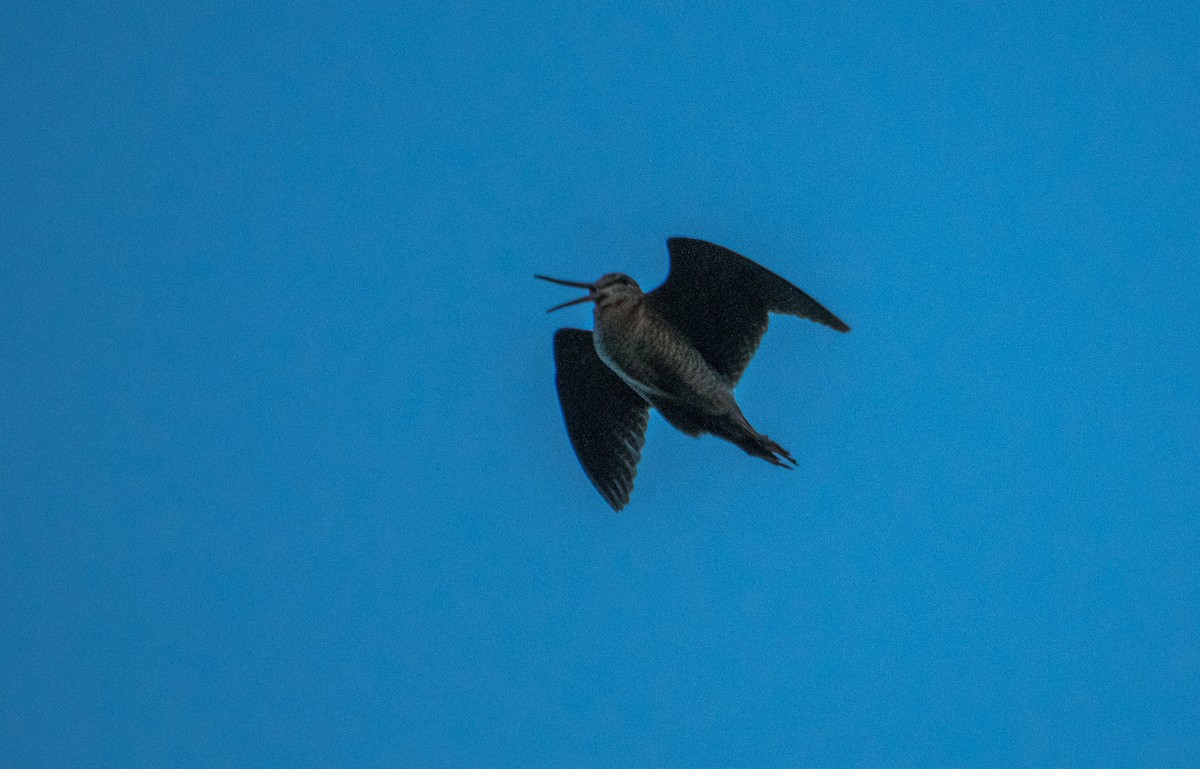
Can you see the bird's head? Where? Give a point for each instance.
(609, 291)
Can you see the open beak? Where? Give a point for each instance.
(591, 287)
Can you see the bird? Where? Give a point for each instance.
(680, 349)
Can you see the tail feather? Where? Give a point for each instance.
(759, 445)
(732, 427)
(754, 443)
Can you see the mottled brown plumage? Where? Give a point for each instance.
(680, 348)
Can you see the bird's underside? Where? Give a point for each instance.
(718, 302)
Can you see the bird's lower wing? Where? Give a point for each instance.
(606, 420)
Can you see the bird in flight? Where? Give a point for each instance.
(680, 348)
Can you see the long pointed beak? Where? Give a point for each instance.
(591, 287)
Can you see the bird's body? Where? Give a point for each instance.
(654, 359)
(661, 365)
(681, 348)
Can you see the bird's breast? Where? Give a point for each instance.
(657, 361)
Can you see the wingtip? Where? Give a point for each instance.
(615, 503)
(827, 318)
(615, 498)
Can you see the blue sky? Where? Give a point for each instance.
(284, 478)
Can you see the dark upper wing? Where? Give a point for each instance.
(719, 300)
(606, 420)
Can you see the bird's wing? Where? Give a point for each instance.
(719, 300)
(606, 419)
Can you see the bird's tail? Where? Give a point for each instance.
(756, 444)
